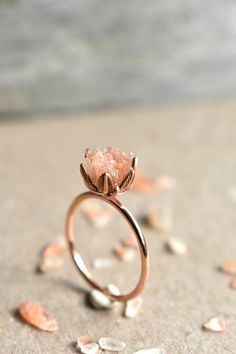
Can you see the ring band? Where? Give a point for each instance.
(106, 195)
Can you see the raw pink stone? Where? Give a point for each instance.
(111, 160)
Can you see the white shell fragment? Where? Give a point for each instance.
(101, 263)
(113, 289)
(90, 348)
(100, 301)
(132, 307)
(151, 351)
(86, 345)
(111, 344)
(176, 246)
(216, 324)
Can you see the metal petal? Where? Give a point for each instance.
(87, 179)
(105, 184)
(134, 162)
(125, 184)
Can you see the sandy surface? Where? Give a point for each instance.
(39, 177)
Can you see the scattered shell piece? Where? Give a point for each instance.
(111, 344)
(143, 184)
(82, 340)
(132, 307)
(123, 253)
(86, 345)
(35, 315)
(216, 324)
(176, 246)
(129, 241)
(229, 267)
(100, 301)
(113, 289)
(146, 184)
(151, 351)
(56, 249)
(90, 348)
(49, 264)
(160, 220)
(53, 256)
(233, 282)
(100, 263)
(96, 213)
(165, 183)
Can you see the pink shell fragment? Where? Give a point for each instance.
(53, 256)
(229, 267)
(35, 315)
(143, 184)
(233, 282)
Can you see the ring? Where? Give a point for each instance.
(106, 174)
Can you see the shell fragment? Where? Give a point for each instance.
(100, 301)
(229, 267)
(101, 263)
(216, 324)
(132, 307)
(233, 282)
(111, 344)
(151, 351)
(86, 345)
(176, 246)
(35, 315)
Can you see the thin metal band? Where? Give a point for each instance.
(78, 259)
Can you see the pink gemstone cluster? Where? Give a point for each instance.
(108, 169)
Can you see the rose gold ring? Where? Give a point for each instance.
(108, 173)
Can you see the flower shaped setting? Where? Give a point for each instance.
(108, 172)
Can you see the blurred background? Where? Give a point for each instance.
(72, 56)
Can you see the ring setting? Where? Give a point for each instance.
(108, 172)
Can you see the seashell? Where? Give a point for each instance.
(111, 344)
(35, 315)
(151, 351)
(132, 307)
(100, 301)
(176, 246)
(216, 324)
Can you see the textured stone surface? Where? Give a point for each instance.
(68, 55)
(40, 176)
